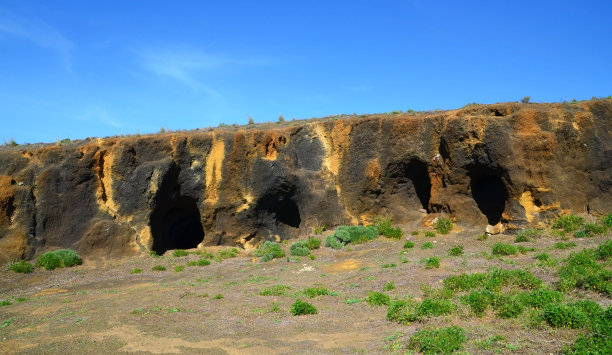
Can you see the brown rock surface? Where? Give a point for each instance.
(518, 163)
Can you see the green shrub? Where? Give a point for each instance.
(482, 237)
(581, 270)
(433, 307)
(581, 233)
(598, 341)
(403, 311)
(153, 254)
(179, 253)
(542, 257)
(563, 246)
(356, 234)
(433, 262)
(384, 228)
(508, 307)
(607, 221)
(408, 245)
(526, 234)
(313, 292)
(313, 243)
(443, 225)
(464, 282)
(594, 229)
(276, 290)
(604, 251)
(353, 300)
(414, 233)
(269, 250)
(192, 263)
(427, 245)
(136, 271)
(524, 250)
(332, 241)
(430, 234)
(158, 268)
(226, 254)
(568, 223)
(388, 266)
(299, 248)
(218, 296)
(389, 286)
(541, 298)
(5, 303)
(457, 250)
(479, 301)
(504, 249)
(301, 308)
(320, 229)
(179, 268)
(21, 266)
(58, 259)
(438, 340)
(378, 299)
(203, 262)
(558, 315)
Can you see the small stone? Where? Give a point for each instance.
(496, 229)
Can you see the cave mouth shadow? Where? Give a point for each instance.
(410, 179)
(176, 224)
(490, 194)
(277, 207)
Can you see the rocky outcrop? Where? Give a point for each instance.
(518, 164)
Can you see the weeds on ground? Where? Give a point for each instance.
(443, 225)
(302, 308)
(378, 299)
(218, 296)
(21, 266)
(582, 270)
(179, 253)
(384, 228)
(526, 235)
(438, 340)
(563, 246)
(269, 250)
(389, 286)
(430, 234)
(313, 292)
(432, 263)
(158, 268)
(568, 223)
(482, 237)
(276, 290)
(58, 259)
(457, 250)
(136, 271)
(504, 249)
(408, 245)
(179, 268)
(427, 245)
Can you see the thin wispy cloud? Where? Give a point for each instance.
(98, 114)
(190, 67)
(39, 33)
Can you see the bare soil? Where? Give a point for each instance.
(100, 307)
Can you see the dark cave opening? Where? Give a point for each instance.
(278, 204)
(176, 224)
(490, 195)
(410, 179)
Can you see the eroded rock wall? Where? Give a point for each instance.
(519, 164)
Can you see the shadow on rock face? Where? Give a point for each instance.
(490, 194)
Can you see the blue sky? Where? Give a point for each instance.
(75, 69)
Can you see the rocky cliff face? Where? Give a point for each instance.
(518, 164)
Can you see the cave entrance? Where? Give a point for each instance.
(409, 183)
(490, 195)
(278, 208)
(176, 224)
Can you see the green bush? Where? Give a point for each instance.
(495, 279)
(158, 268)
(581, 270)
(607, 221)
(179, 268)
(218, 296)
(427, 245)
(482, 237)
(558, 315)
(541, 298)
(403, 311)
(5, 303)
(542, 257)
(269, 250)
(389, 286)
(408, 245)
(508, 307)
(568, 223)
(526, 234)
(438, 340)
(179, 253)
(598, 341)
(136, 271)
(299, 248)
(479, 301)
(21, 266)
(430, 234)
(378, 299)
(434, 307)
(58, 259)
(563, 246)
(332, 241)
(276, 290)
(433, 262)
(604, 251)
(384, 228)
(313, 243)
(457, 250)
(301, 308)
(203, 262)
(504, 249)
(581, 233)
(443, 225)
(464, 282)
(356, 234)
(313, 292)
(594, 229)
